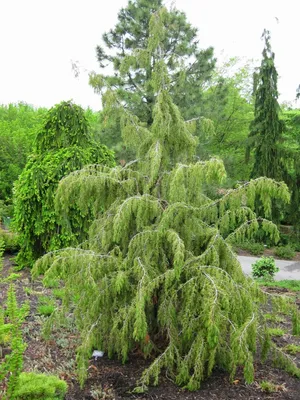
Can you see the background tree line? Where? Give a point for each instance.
(218, 99)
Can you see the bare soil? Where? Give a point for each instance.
(109, 379)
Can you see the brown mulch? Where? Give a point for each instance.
(109, 379)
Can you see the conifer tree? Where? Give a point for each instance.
(63, 144)
(189, 67)
(158, 271)
(266, 130)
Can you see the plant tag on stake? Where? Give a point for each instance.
(97, 353)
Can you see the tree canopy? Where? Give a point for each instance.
(157, 271)
(125, 49)
(18, 125)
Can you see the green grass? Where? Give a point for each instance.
(286, 284)
(50, 283)
(58, 293)
(12, 277)
(46, 306)
(292, 348)
(276, 332)
(274, 318)
(46, 309)
(269, 387)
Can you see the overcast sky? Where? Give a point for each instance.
(39, 38)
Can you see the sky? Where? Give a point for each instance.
(40, 38)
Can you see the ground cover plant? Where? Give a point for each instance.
(157, 274)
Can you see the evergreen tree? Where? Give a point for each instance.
(158, 271)
(125, 50)
(266, 130)
(63, 144)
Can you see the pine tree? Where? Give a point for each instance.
(266, 130)
(63, 144)
(158, 272)
(124, 48)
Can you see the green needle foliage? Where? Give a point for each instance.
(63, 145)
(266, 130)
(33, 386)
(158, 271)
(11, 334)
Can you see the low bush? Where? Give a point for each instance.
(286, 252)
(11, 337)
(33, 386)
(252, 247)
(264, 268)
(10, 240)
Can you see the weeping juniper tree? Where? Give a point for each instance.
(63, 144)
(158, 272)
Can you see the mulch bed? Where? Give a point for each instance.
(109, 379)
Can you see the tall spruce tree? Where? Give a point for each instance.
(266, 130)
(158, 271)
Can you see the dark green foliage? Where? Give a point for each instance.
(18, 124)
(63, 145)
(292, 144)
(264, 268)
(32, 386)
(157, 272)
(266, 130)
(286, 252)
(250, 246)
(11, 334)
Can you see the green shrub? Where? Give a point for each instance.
(296, 245)
(46, 306)
(252, 247)
(64, 144)
(264, 268)
(33, 386)
(11, 334)
(10, 240)
(286, 252)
